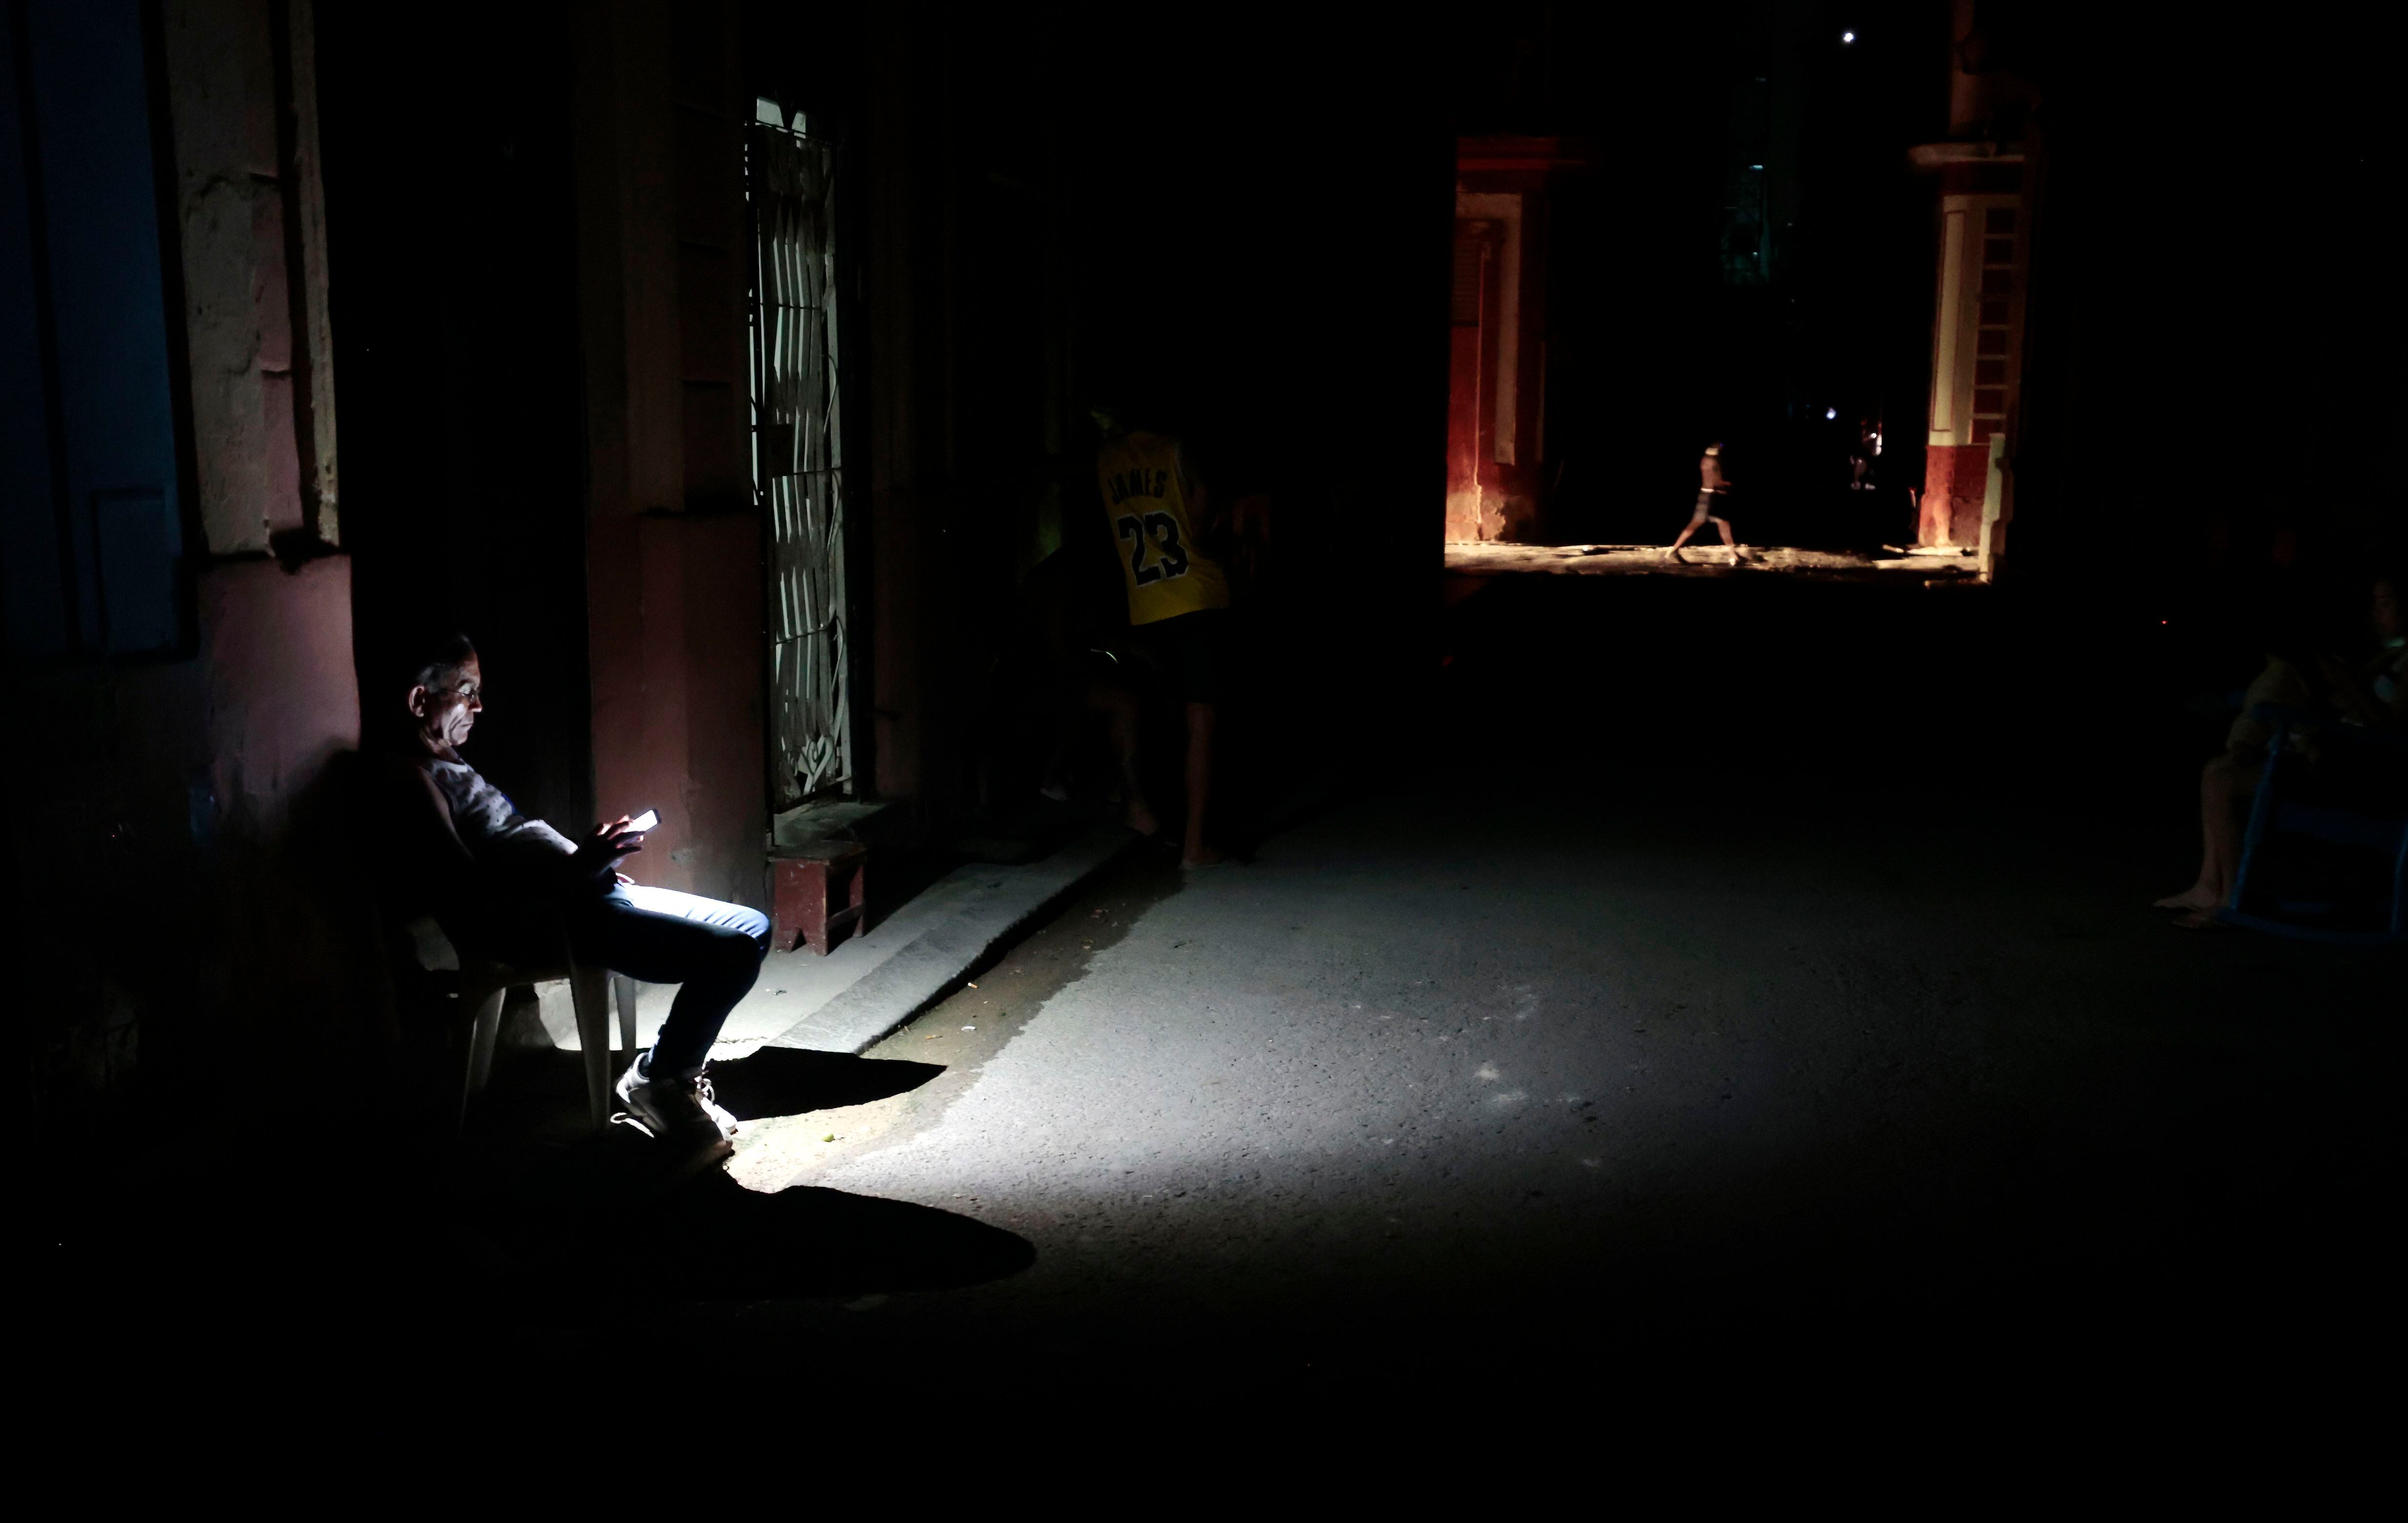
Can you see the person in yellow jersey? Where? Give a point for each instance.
(1178, 595)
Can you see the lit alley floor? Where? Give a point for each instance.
(1663, 995)
(1697, 558)
(1708, 976)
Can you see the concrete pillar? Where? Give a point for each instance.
(1984, 241)
(1977, 343)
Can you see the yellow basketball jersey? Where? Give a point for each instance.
(1166, 572)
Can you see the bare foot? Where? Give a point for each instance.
(1674, 554)
(2198, 896)
(1201, 857)
(1141, 819)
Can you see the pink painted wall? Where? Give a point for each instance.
(282, 697)
(674, 572)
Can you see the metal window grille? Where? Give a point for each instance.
(799, 455)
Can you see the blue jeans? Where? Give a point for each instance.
(711, 950)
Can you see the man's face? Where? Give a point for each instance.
(447, 710)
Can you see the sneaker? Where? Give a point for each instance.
(709, 1103)
(678, 1113)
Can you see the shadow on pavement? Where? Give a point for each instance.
(789, 1081)
(606, 1217)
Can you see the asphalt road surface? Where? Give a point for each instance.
(1720, 982)
(1691, 1015)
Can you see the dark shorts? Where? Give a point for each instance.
(1711, 504)
(1191, 651)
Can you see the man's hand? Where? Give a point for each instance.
(605, 848)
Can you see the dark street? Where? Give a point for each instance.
(1657, 1016)
(1648, 1009)
(750, 715)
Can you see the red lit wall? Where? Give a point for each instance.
(1496, 377)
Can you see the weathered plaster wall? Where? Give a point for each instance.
(222, 89)
(188, 880)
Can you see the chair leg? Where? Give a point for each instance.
(589, 990)
(466, 1069)
(2262, 808)
(476, 1057)
(481, 1037)
(624, 987)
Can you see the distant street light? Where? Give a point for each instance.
(1847, 37)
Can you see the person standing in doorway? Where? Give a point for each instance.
(1177, 594)
(1713, 506)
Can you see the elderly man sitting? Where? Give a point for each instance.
(507, 887)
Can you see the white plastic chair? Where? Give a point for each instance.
(485, 985)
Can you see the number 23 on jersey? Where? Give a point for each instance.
(1145, 497)
(1162, 530)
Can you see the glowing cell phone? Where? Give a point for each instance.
(644, 822)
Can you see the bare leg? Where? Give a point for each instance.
(2221, 788)
(1674, 552)
(1730, 540)
(1200, 717)
(1119, 707)
(2224, 789)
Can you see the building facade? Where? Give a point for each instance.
(716, 366)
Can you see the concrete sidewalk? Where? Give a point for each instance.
(875, 982)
